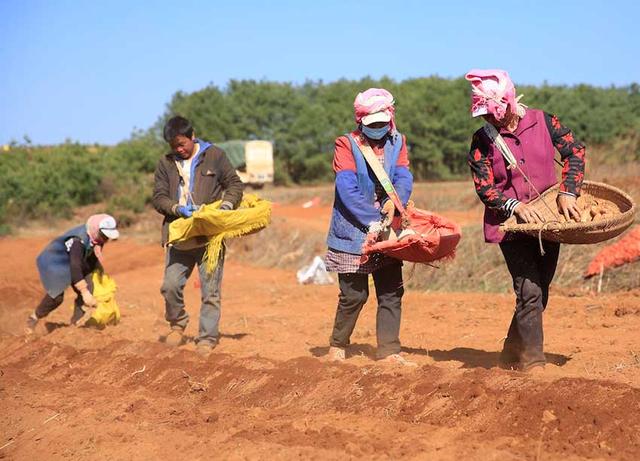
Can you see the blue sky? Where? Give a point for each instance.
(92, 71)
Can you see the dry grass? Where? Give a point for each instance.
(477, 267)
(297, 194)
(480, 267)
(279, 245)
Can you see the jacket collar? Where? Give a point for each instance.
(529, 120)
(204, 145)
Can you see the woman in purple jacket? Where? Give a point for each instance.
(532, 136)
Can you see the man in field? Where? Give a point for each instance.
(194, 173)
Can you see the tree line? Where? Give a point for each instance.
(302, 121)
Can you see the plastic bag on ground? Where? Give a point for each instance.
(315, 273)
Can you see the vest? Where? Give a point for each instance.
(53, 262)
(345, 232)
(533, 149)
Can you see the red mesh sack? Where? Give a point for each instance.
(430, 237)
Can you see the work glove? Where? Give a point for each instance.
(374, 232)
(87, 298)
(185, 211)
(405, 221)
(387, 211)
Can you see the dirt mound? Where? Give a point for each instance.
(123, 392)
(77, 393)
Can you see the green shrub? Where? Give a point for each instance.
(303, 121)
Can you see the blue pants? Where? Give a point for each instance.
(178, 267)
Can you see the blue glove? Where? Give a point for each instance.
(185, 211)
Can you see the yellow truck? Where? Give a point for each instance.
(253, 160)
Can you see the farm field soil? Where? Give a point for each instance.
(268, 390)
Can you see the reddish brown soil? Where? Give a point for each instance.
(316, 217)
(268, 391)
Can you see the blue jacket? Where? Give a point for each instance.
(53, 262)
(353, 207)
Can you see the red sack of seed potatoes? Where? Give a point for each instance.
(429, 237)
(625, 250)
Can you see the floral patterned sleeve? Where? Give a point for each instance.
(572, 153)
(482, 174)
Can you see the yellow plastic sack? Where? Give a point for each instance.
(107, 312)
(253, 215)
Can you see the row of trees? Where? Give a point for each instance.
(43, 182)
(302, 121)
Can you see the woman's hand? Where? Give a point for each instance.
(527, 214)
(568, 207)
(87, 298)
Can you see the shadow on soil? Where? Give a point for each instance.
(477, 358)
(53, 326)
(469, 357)
(192, 339)
(353, 350)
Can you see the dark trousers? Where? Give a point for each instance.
(532, 274)
(354, 291)
(49, 304)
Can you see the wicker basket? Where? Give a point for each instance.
(556, 230)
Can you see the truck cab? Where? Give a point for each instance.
(253, 160)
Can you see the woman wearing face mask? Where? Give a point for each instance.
(361, 208)
(532, 136)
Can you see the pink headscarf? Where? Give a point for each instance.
(492, 92)
(374, 100)
(93, 229)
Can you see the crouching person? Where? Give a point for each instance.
(194, 173)
(69, 260)
(359, 207)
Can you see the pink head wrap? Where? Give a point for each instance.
(492, 92)
(372, 101)
(93, 229)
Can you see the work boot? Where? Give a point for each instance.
(535, 368)
(397, 359)
(32, 322)
(204, 348)
(509, 359)
(175, 337)
(337, 354)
